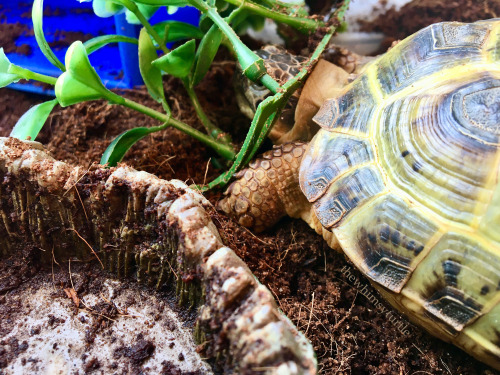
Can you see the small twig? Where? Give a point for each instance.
(52, 264)
(310, 313)
(121, 312)
(320, 323)
(276, 296)
(70, 277)
(171, 269)
(90, 247)
(81, 201)
(324, 256)
(347, 314)
(446, 366)
(206, 171)
(88, 309)
(77, 181)
(258, 239)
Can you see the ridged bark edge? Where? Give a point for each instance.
(137, 223)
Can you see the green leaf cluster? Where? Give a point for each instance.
(189, 60)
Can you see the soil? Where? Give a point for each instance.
(89, 323)
(417, 14)
(311, 283)
(10, 32)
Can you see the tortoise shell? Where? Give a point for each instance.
(405, 172)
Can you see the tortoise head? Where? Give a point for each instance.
(280, 64)
(295, 123)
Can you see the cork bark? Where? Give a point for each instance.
(157, 231)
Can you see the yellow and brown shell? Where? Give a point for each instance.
(405, 172)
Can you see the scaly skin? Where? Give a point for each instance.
(268, 189)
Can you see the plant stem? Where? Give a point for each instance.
(223, 150)
(28, 74)
(212, 130)
(37, 18)
(302, 24)
(270, 83)
(130, 5)
(251, 64)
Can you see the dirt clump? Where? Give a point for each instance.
(137, 352)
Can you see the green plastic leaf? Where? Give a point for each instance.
(121, 144)
(179, 61)
(30, 124)
(206, 53)
(5, 77)
(177, 31)
(70, 90)
(37, 18)
(245, 20)
(146, 10)
(80, 82)
(150, 73)
(94, 44)
(205, 23)
(106, 8)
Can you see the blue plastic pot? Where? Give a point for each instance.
(116, 64)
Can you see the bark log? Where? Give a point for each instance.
(137, 225)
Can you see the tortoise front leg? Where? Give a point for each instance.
(268, 189)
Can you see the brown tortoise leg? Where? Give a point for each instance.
(268, 189)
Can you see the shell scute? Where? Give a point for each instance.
(387, 239)
(347, 193)
(319, 169)
(437, 47)
(450, 35)
(351, 112)
(453, 277)
(476, 108)
(483, 336)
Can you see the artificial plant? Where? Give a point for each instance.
(190, 60)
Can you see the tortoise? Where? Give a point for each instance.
(403, 177)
